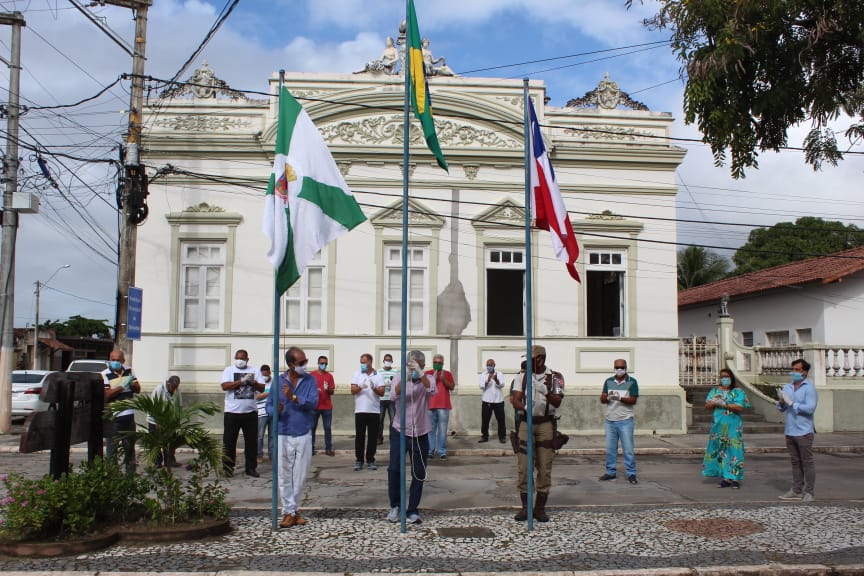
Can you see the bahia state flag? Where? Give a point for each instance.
(419, 87)
(547, 204)
(308, 204)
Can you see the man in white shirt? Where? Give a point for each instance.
(241, 381)
(492, 385)
(367, 386)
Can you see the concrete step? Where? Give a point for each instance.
(702, 417)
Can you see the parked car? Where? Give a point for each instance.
(26, 386)
(87, 366)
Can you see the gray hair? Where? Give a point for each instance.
(418, 357)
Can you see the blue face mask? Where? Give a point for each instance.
(797, 376)
(115, 365)
(490, 369)
(364, 367)
(322, 367)
(725, 381)
(415, 375)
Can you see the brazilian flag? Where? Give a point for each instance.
(420, 88)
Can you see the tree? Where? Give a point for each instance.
(787, 242)
(697, 266)
(753, 69)
(79, 326)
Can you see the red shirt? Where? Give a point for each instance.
(326, 386)
(441, 399)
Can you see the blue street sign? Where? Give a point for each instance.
(133, 313)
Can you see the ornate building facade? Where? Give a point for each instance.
(208, 285)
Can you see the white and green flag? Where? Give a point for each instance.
(308, 203)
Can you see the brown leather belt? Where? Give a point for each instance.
(538, 419)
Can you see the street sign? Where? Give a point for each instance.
(133, 315)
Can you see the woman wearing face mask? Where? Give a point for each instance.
(724, 457)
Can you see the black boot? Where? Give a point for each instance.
(522, 515)
(540, 507)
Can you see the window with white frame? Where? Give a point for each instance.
(202, 285)
(305, 301)
(505, 291)
(418, 288)
(777, 338)
(606, 292)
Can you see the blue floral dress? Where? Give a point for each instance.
(724, 456)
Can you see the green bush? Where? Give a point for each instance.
(71, 505)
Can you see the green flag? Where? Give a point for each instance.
(420, 88)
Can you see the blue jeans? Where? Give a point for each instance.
(620, 430)
(439, 418)
(264, 424)
(417, 449)
(327, 417)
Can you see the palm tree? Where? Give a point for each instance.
(697, 266)
(176, 426)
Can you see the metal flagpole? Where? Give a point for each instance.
(274, 371)
(529, 357)
(406, 149)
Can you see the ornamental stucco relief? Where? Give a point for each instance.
(190, 123)
(605, 132)
(388, 130)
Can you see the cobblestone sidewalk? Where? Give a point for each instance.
(577, 539)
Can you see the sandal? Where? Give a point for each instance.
(725, 484)
(736, 485)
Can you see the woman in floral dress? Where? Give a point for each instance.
(724, 457)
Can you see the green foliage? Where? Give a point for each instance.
(697, 266)
(79, 326)
(754, 69)
(70, 506)
(787, 242)
(175, 426)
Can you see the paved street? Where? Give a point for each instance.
(672, 518)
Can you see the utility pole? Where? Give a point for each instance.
(39, 286)
(10, 224)
(134, 185)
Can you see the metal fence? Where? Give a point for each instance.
(698, 362)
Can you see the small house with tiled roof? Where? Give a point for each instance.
(820, 299)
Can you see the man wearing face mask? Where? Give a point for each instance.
(367, 386)
(798, 400)
(120, 384)
(240, 381)
(263, 420)
(324, 410)
(492, 385)
(294, 399)
(547, 393)
(620, 393)
(439, 407)
(387, 373)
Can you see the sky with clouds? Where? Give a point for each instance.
(66, 58)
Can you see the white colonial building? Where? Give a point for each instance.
(208, 285)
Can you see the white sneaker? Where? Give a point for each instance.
(791, 495)
(393, 515)
(808, 497)
(414, 519)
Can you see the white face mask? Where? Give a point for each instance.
(267, 378)
(300, 370)
(620, 371)
(388, 364)
(241, 364)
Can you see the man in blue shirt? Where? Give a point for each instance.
(798, 400)
(294, 400)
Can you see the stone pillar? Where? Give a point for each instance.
(726, 342)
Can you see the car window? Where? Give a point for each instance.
(25, 378)
(79, 366)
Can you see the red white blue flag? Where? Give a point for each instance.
(547, 206)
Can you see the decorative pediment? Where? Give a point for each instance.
(203, 83)
(607, 96)
(607, 221)
(204, 213)
(419, 216)
(506, 214)
(385, 130)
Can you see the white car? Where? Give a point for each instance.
(26, 386)
(87, 366)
